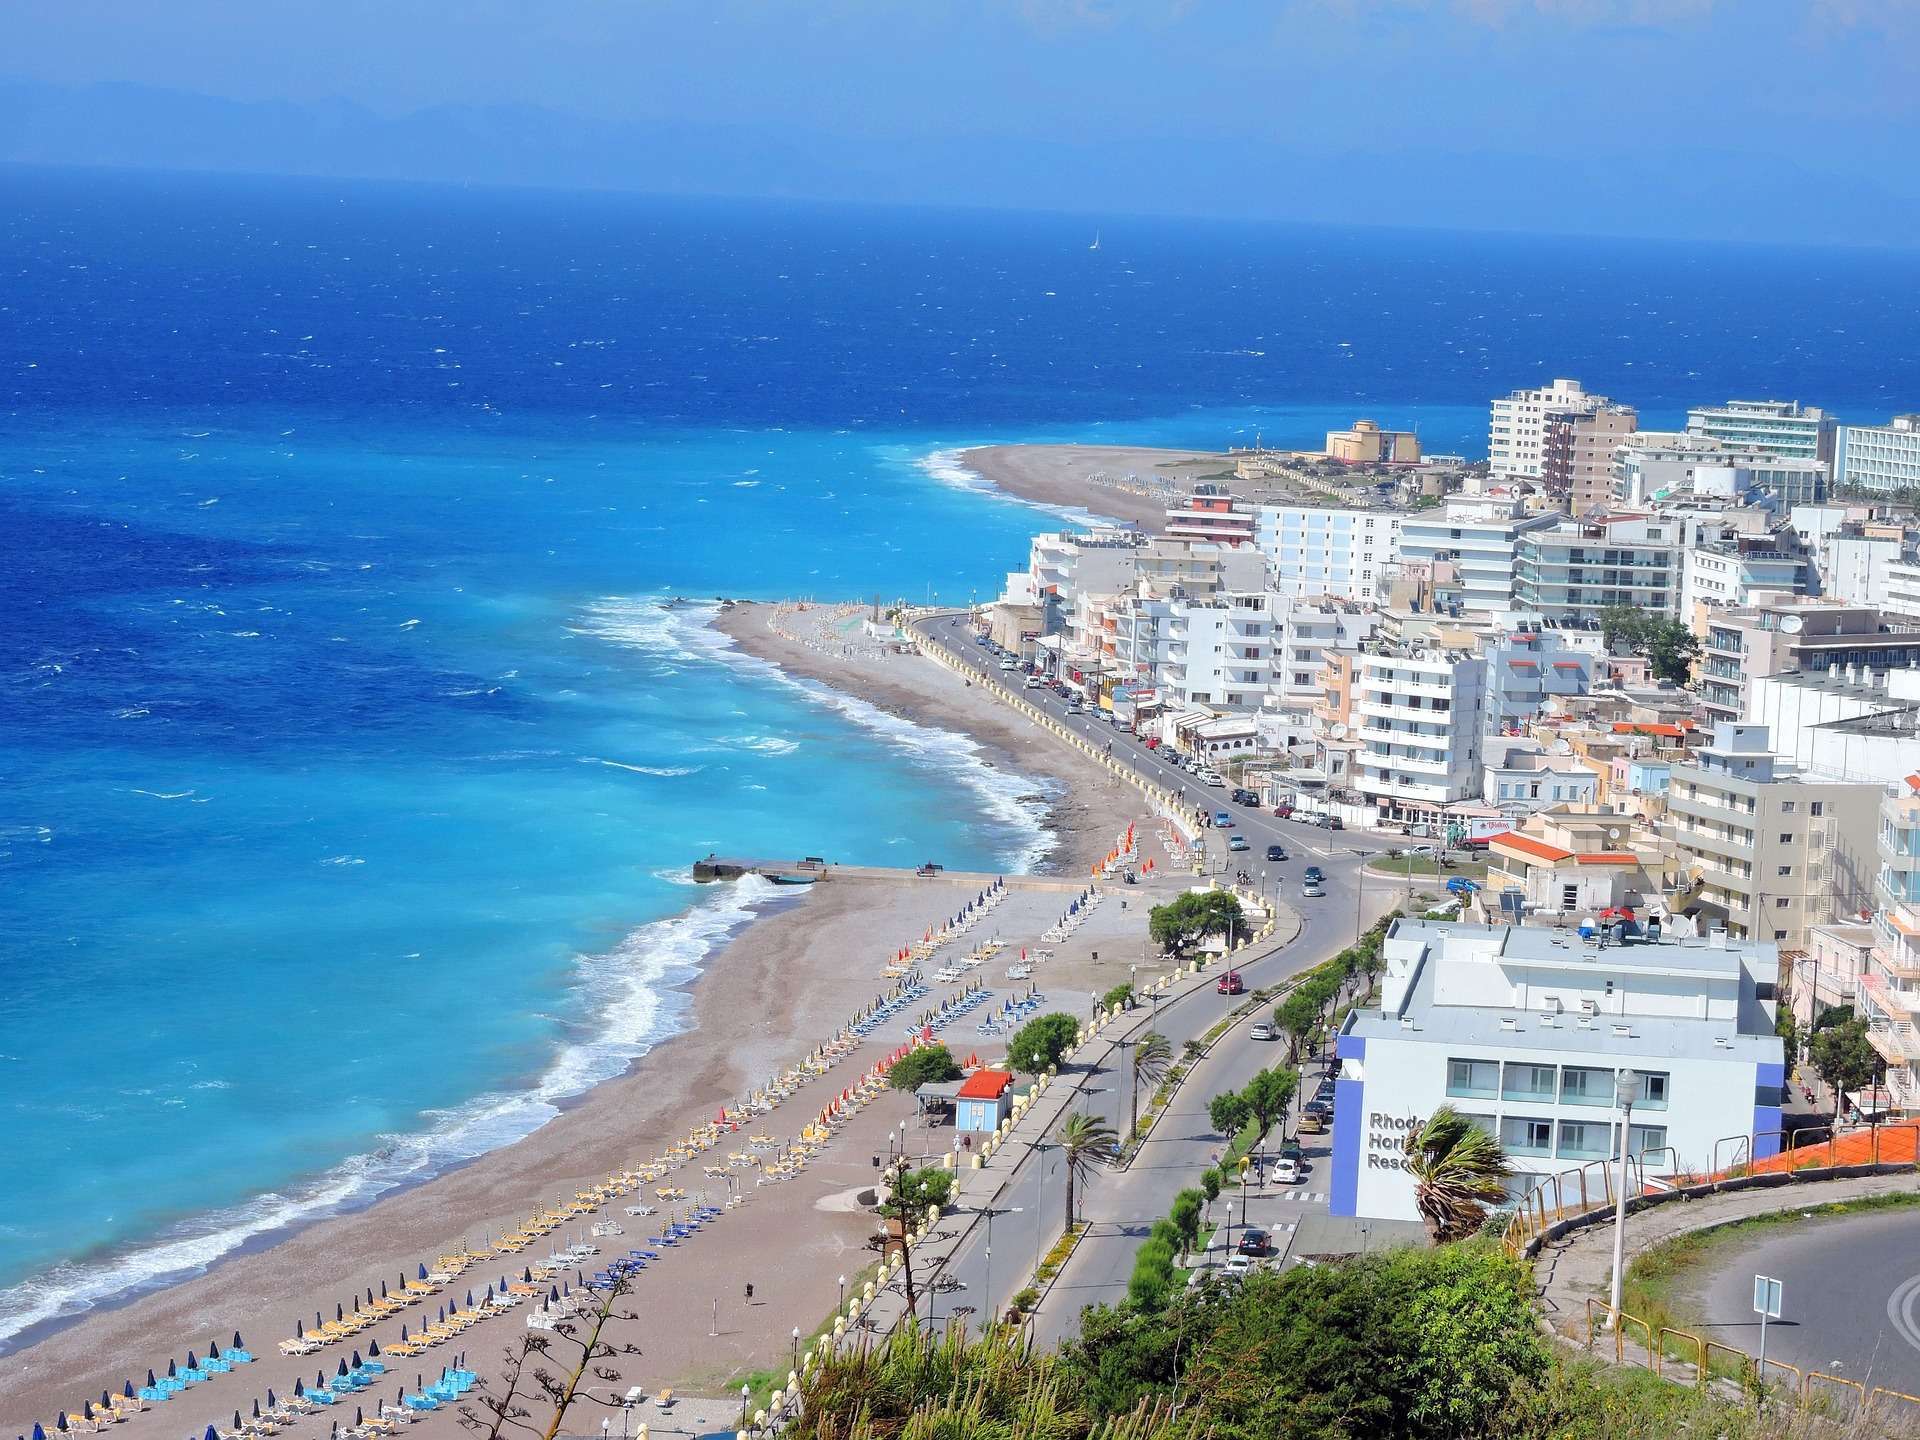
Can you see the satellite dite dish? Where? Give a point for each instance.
(1337, 732)
(1791, 624)
(1613, 832)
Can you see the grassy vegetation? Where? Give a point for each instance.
(1657, 1283)
(1425, 867)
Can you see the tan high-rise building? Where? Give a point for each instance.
(1576, 453)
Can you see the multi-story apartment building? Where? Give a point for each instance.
(1657, 465)
(1523, 1029)
(1775, 427)
(1211, 514)
(1471, 544)
(1854, 562)
(1523, 775)
(1779, 849)
(1573, 569)
(1168, 567)
(1517, 428)
(1734, 573)
(1527, 668)
(1782, 633)
(1309, 631)
(1576, 452)
(1221, 651)
(1313, 551)
(1419, 722)
(1889, 990)
(1879, 457)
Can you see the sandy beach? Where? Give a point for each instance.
(1127, 482)
(786, 982)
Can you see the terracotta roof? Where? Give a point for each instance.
(986, 1085)
(1527, 845)
(1648, 727)
(1609, 857)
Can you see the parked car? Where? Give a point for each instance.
(1244, 796)
(1231, 984)
(1238, 843)
(1276, 852)
(1285, 1171)
(1263, 1031)
(1312, 1123)
(1322, 1108)
(1331, 822)
(1238, 1267)
(1222, 819)
(1255, 1244)
(1284, 810)
(1009, 664)
(1034, 682)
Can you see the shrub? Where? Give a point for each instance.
(924, 1065)
(1039, 1044)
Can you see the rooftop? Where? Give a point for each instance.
(985, 1085)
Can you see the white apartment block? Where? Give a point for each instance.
(1575, 570)
(1417, 713)
(1659, 465)
(1474, 540)
(1879, 457)
(1723, 578)
(1312, 551)
(1888, 990)
(1516, 430)
(1522, 1029)
(1775, 427)
(1856, 568)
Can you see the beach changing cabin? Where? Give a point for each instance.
(983, 1101)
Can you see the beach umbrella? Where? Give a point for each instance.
(236, 1420)
(173, 1371)
(86, 1409)
(343, 1368)
(126, 1389)
(212, 1434)
(60, 1422)
(298, 1330)
(150, 1380)
(373, 1350)
(358, 1417)
(423, 1270)
(339, 1311)
(526, 1276)
(383, 1289)
(403, 1332)
(39, 1431)
(469, 1299)
(256, 1407)
(193, 1361)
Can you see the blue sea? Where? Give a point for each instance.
(353, 745)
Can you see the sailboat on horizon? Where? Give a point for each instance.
(1096, 241)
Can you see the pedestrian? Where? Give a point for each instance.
(749, 1292)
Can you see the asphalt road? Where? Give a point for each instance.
(1123, 1207)
(1850, 1296)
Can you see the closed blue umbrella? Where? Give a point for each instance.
(126, 1389)
(403, 1332)
(193, 1361)
(423, 1272)
(238, 1343)
(356, 1360)
(343, 1367)
(150, 1380)
(213, 1349)
(212, 1434)
(60, 1422)
(373, 1350)
(173, 1371)
(39, 1431)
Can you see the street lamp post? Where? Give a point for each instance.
(745, 1396)
(796, 1347)
(1626, 1090)
(841, 1309)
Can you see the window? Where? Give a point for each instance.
(1653, 1092)
(1787, 806)
(1817, 808)
(1520, 1135)
(1784, 870)
(1787, 839)
(1585, 1139)
(1586, 1085)
(1528, 1082)
(1474, 1079)
(1642, 1138)
(1569, 897)
(1781, 903)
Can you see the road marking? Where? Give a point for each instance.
(1901, 1307)
(1309, 1197)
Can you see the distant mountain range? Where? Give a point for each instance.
(1593, 190)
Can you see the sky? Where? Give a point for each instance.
(1785, 120)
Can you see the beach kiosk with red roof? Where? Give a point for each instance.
(985, 1099)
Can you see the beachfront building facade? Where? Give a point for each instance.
(1880, 458)
(1737, 573)
(1653, 466)
(1367, 444)
(1312, 550)
(1778, 849)
(1522, 1029)
(1773, 427)
(1211, 514)
(1467, 547)
(1575, 569)
(1418, 717)
(1781, 633)
(1517, 426)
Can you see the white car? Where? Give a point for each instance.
(1285, 1171)
(1211, 777)
(1034, 682)
(1238, 1267)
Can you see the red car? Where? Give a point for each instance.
(1153, 742)
(1231, 984)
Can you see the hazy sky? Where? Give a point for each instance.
(1785, 118)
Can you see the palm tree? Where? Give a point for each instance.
(1085, 1141)
(1152, 1058)
(1457, 1171)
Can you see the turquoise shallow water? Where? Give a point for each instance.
(349, 760)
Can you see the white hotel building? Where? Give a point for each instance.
(1517, 425)
(1418, 714)
(1312, 551)
(1522, 1030)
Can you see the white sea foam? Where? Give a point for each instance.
(764, 744)
(685, 632)
(945, 466)
(343, 860)
(627, 993)
(669, 771)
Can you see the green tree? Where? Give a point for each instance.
(1152, 1058)
(1118, 998)
(1669, 646)
(1185, 921)
(1844, 1058)
(923, 1065)
(1458, 1170)
(1153, 1277)
(1297, 1016)
(1787, 1028)
(916, 1191)
(1210, 1183)
(1086, 1143)
(1041, 1042)
(1228, 1113)
(1268, 1094)
(1185, 1215)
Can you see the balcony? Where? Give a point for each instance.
(1717, 841)
(1897, 1043)
(1889, 1000)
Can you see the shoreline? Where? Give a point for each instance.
(795, 948)
(1137, 485)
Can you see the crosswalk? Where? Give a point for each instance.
(1305, 1197)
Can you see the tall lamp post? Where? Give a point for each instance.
(1626, 1090)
